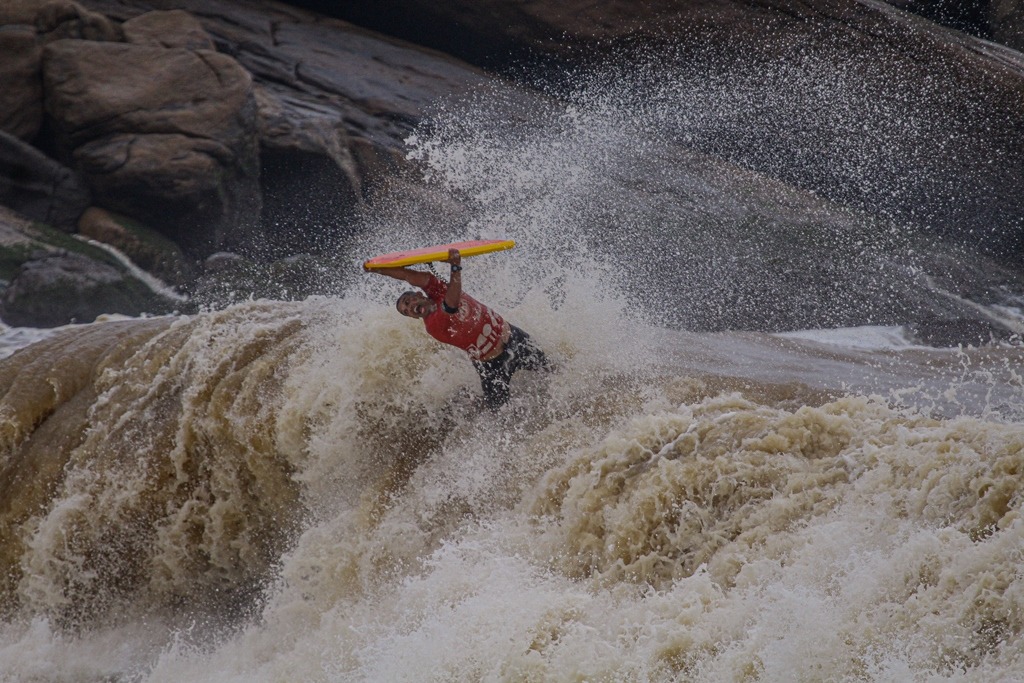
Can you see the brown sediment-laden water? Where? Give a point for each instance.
(306, 491)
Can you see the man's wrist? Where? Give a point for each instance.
(456, 268)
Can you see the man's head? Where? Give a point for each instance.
(415, 305)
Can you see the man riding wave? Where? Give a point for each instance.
(496, 348)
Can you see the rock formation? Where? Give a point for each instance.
(211, 126)
(258, 133)
(52, 279)
(164, 134)
(38, 186)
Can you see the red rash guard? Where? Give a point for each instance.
(475, 329)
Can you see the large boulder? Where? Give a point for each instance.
(21, 97)
(25, 26)
(335, 104)
(167, 135)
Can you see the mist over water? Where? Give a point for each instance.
(736, 194)
(305, 491)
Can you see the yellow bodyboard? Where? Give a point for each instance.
(437, 252)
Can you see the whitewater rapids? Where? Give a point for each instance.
(305, 491)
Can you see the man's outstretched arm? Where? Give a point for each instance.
(416, 278)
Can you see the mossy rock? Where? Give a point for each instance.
(11, 258)
(22, 240)
(53, 279)
(148, 249)
(62, 287)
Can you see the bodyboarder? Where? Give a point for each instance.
(496, 348)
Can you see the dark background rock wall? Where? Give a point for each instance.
(246, 141)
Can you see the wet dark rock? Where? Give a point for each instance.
(21, 97)
(57, 288)
(954, 332)
(308, 203)
(970, 299)
(19, 240)
(39, 187)
(711, 247)
(1001, 21)
(1006, 22)
(50, 278)
(970, 16)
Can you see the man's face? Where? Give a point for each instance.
(415, 305)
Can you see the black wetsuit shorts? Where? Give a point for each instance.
(520, 353)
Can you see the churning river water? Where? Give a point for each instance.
(305, 491)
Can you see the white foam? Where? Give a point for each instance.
(14, 338)
(864, 337)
